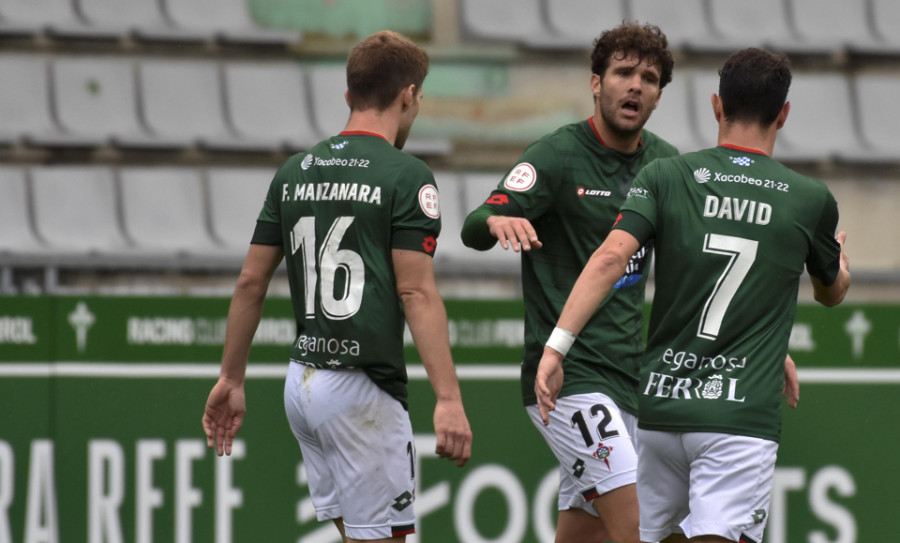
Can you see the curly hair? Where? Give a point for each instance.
(647, 42)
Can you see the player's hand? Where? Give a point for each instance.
(548, 382)
(845, 260)
(454, 437)
(224, 415)
(791, 389)
(513, 232)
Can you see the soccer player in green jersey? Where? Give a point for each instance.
(356, 220)
(559, 203)
(733, 231)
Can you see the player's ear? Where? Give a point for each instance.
(407, 96)
(717, 107)
(596, 84)
(783, 115)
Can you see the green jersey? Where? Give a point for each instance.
(569, 185)
(733, 231)
(338, 211)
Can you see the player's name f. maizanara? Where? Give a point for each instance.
(324, 191)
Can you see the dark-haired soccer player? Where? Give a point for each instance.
(733, 231)
(356, 220)
(559, 203)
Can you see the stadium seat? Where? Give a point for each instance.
(25, 107)
(136, 18)
(583, 20)
(236, 197)
(163, 211)
(878, 114)
(834, 24)
(673, 119)
(268, 102)
(762, 23)
(24, 17)
(75, 212)
(702, 86)
(820, 123)
(885, 17)
(451, 255)
(477, 186)
(328, 83)
(226, 20)
(182, 104)
(95, 97)
(683, 21)
(520, 22)
(17, 237)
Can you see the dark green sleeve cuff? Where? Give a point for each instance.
(267, 233)
(635, 224)
(414, 240)
(475, 233)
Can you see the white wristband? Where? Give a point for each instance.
(560, 340)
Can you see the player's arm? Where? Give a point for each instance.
(834, 293)
(604, 268)
(791, 389)
(485, 226)
(427, 318)
(226, 406)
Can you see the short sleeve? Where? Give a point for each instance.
(416, 212)
(643, 195)
(824, 257)
(529, 188)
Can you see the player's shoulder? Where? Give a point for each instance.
(656, 145)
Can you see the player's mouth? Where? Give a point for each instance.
(631, 108)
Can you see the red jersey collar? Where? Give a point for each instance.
(597, 134)
(361, 133)
(744, 149)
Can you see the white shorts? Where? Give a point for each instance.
(704, 484)
(590, 437)
(357, 446)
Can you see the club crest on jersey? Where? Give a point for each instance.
(592, 193)
(602, 453)
(429, 201)
(521, 178)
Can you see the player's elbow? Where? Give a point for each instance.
(833, 294)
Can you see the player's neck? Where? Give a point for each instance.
(383, 123)
(612, 139)
(748, 136)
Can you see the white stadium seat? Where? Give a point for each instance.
(163, 211)
(17, 236)
(236, 197)
(75, 210)
(268, 102)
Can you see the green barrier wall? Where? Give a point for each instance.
(100, 437)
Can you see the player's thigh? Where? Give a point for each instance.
(663, 483)
(365, 438)
(731, 485)
(590, 439)
(579, 525)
